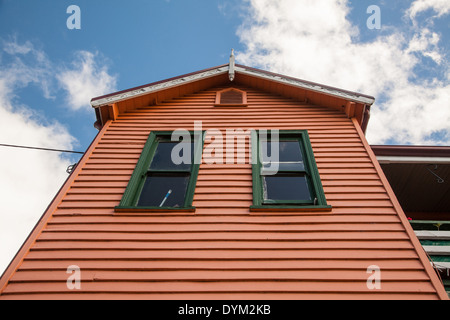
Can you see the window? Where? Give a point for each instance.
(166, 173)
(285, 173)
(231, 98)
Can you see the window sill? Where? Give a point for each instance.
(288, 208)
(156, 210)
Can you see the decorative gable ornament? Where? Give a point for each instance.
(231, 72)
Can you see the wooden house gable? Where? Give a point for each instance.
(220, 248)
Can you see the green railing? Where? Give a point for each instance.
(430, 225)
(435, 239)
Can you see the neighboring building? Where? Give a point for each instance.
(420, 178)
(134, 224)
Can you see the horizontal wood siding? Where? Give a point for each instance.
(224, 251)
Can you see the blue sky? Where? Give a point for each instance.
(143, 41)
(139, 41)
(48, 73)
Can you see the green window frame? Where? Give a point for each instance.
(307, 191)
(144, 170)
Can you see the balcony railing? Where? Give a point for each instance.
(435, 239)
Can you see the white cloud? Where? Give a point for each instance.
(314, 40)
(28, 66)
(13, 47)
(420, 114)
(87, 79)
(28, 179)
(427, 43)
(441, 7)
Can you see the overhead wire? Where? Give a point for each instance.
(41, 149)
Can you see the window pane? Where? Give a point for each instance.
(286, 188)
(289, 158)
(162, 160)
(170, 191)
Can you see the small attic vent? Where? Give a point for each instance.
(231, 98)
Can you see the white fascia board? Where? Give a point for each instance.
(237, 69)
(432, 235)
(412, 160)
(158, 87)
(437, 250)
(307, 86)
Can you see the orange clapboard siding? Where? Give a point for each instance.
(224, 251)
(220, 296)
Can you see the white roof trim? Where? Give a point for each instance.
(349, 96)
(412, 160)
(158, 87)
(307, 85)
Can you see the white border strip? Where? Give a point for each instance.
(430, 160)
(158, 87)
(224, 69)
(307, 86)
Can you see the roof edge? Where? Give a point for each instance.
(157, 86)
(308, 85)
(211, 72)
(411, 151)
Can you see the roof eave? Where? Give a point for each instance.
(412, 154)
(307, 85)
(203, 74)
(157, 86)
(411, 151)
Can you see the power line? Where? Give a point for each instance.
(42, 149)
